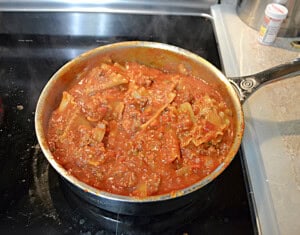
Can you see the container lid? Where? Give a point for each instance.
(276, 11)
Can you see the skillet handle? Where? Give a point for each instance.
(247, 85)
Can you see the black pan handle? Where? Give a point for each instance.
(247, 85)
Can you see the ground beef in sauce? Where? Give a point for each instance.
(137, 131)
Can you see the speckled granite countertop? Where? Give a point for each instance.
(272, 134)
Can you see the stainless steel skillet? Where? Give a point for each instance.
(161, 56)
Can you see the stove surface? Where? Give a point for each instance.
(34, 199)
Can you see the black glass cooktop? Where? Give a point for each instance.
(33, 197)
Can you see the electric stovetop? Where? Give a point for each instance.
(33, 197)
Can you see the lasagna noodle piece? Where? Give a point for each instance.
(171, 97)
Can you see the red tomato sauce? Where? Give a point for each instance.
(138, 131)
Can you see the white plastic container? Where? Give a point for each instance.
(274, 15)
